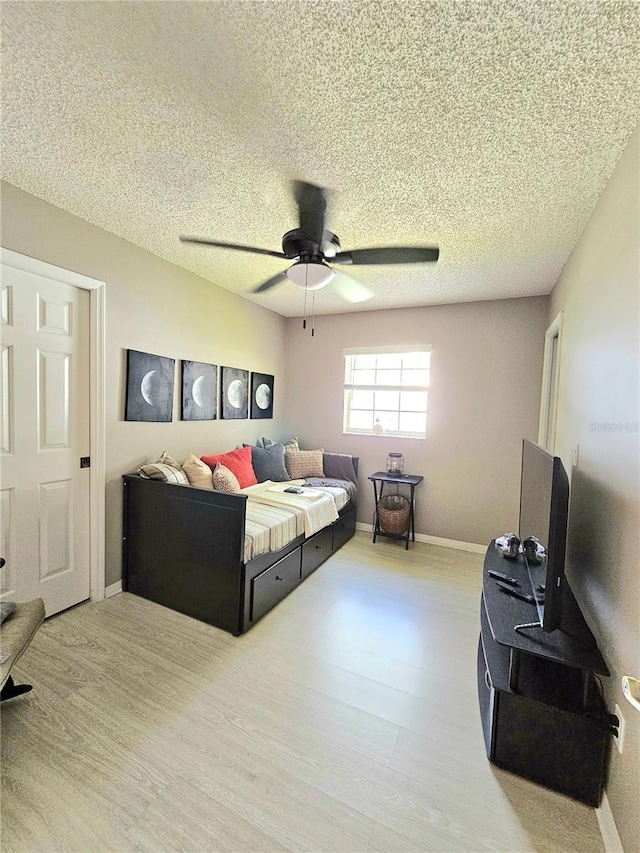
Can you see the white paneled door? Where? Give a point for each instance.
(45, 433)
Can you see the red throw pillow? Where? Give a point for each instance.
(238, 461)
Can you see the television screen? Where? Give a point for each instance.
(544, 510)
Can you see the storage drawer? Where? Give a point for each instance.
(270, 587)
(344, 528)
(316, 550)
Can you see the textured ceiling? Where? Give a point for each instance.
(489, 128)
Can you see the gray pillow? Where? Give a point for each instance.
(291, 443)
(339, 466)
(6, 609)
(268, 463)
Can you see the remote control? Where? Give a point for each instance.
(293, 490)
(500, 576)
(523, 596)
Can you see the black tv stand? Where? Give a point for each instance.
(538, 624)
(542, 710)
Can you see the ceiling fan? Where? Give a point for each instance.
(314, 250)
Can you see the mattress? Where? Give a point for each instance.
(270, 528)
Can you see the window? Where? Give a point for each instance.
(385, 391)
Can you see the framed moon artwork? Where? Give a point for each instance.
(261, 395)
(149, 387)
(199, 391)
(234, 393)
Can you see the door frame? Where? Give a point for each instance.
(97, 344)
(550, 385)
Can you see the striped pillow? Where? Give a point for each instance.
(167, 469)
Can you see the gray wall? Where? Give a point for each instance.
(153, 306)
(599, 409)
(486, 372)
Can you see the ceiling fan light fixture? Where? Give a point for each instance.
(311, 276)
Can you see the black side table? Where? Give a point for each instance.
(410, 480)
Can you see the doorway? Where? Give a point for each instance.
(550, 385)
(52, 431)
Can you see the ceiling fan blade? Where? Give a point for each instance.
(270, 282)
(312, 207)
(349, 289)
(388, 255)
(237, 246)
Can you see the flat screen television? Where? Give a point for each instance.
(544, 512)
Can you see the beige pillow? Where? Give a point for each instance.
(225, 480)
(198, 472)
(304, 463)
(167, 469)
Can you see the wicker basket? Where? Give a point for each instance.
(393, 514)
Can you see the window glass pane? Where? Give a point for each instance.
(361, 400)
(413, 422)
(360, 420)
(389, 421)
(388, 377)
(365, 361)
(390, 360)
(363, 377)
(415, 377)
(389, 400)
(413, 401)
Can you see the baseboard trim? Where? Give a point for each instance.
(608, 830)
(113, 589)
(451, 543)
(435, 540)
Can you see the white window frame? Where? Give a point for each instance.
(350, 387)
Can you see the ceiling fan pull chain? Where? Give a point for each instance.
(313, 314)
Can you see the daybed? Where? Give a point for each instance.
(190, 549)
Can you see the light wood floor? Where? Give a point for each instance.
(347, 720)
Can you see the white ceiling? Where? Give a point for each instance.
(489, 128)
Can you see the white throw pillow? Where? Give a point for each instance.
(198, 472)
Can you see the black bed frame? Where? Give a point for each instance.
(183, 547)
